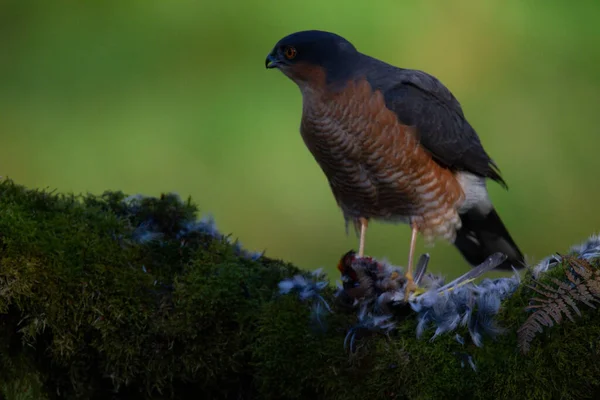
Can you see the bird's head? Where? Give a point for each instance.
(311, 55)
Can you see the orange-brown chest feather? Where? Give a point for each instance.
(375, 165)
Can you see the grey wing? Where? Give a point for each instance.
(420, 100)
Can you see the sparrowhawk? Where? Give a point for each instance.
(394, 145)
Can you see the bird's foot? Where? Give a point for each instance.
(411, 287)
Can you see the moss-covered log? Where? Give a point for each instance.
(120, 297)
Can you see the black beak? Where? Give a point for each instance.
(271, 61)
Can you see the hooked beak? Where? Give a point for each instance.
(272, 61)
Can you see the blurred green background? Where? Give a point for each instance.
(159, 96)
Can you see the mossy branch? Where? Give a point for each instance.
(129, 297)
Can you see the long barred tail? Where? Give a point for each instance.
(483, 235)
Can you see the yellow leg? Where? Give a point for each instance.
(364, 223)
(410, 283)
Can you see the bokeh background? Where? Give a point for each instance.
(161, 96)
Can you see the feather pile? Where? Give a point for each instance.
(308, 288)
(376, 291)
(147, 229)
(587, 251)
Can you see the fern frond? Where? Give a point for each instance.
(558, 301)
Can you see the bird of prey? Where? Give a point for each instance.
(395, 146)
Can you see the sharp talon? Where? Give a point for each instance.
(411, 287)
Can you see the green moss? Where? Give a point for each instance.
(88, 311)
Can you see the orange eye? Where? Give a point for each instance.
(290, 52)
